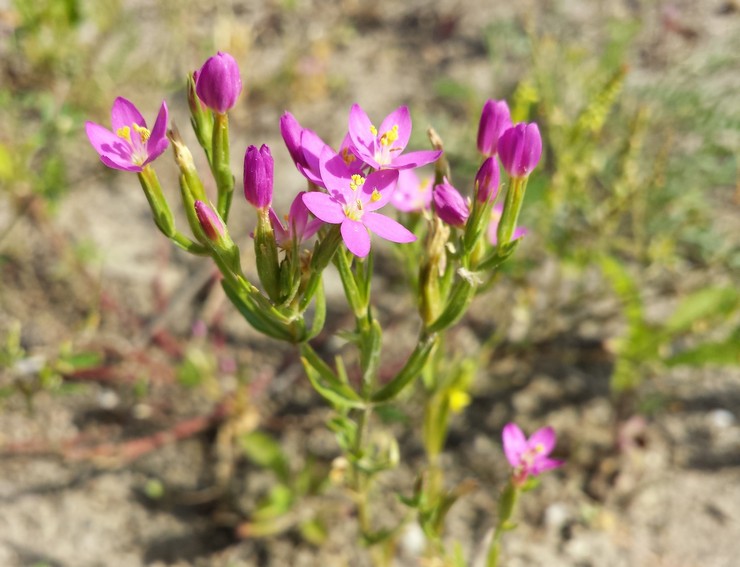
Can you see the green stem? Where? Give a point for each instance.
(220, 165)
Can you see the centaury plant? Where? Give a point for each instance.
(458, 244)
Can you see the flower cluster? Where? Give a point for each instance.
(343, 205)
(519, 149)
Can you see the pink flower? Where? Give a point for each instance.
(496, 212)
(352, 200)
(529, 456)
(217, 82)
(131, 145)
(298, 227)
(381, 148)
(520, 149)
(412, 195)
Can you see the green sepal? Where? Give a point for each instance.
(457, 304)
(326, 382)
(254, 315)
(157, 203)
(266, 256)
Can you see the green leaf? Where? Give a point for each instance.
(703, 304)
(723, 353)
(264, 451)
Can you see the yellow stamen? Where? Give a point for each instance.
(375, 196)
(142, 132)
(356, 181)
(124, 132)
(373, 130)
(390, 136)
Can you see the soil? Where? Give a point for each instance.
(123, 466)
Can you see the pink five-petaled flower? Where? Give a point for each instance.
(298, 227)
(381, 148)
(412, 195)
(520, 149)
(529, 457)
(131, 145)
(496, 212)
(218, 83)
(352, 201)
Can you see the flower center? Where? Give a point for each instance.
(385, 146)
(137, 143)
(353, 210)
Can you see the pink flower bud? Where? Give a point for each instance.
(449, 205)
(520, 149)
(218, 83)
(494, 120)
(487, 181)
(291, 131)
(258, 176)
(210, 222)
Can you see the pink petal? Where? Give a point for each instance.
(384, 181)
(515, 443)
(124, 113)
(324, 207)
(387, 228)
(545, 437)
(401, 118)
(113, 150)
(544, 464)
(277, 226)
(360, 132)
(312, 228)
(123, 166)
(356, 237)
(335, 173)
(312, 146)
(158, 141)
(348, 153)
(415, 159)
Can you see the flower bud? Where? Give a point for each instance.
(449, 205)
(520, 149)
(487, 181)
(218, 83)
(291, 131)
(258, 176)
(494, 120)
(212, 225)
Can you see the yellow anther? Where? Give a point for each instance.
(373, 130)
(375, 196)
(356, 181)
(539, 448)
(124, 132)
(390, 136)
(142, 132)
